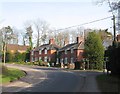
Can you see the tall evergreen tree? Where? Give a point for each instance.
(94, 50)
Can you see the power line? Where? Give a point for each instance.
(85, 23)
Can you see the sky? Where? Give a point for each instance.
(58, 13)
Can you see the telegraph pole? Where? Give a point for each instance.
(114, 31)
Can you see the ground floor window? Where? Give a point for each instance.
(72, 60)
(45, 59)
(61, 60)
(32, 59)
(66, 60)
(36, 58)
(40, 58)
(49, 59)
(57, 61)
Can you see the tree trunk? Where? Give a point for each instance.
(4, 59)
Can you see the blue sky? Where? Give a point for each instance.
(59, 14)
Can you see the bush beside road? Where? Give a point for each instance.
(10, 74)
(108, 83)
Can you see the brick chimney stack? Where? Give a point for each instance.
(65, 43)
(79, 39)
(51, 41)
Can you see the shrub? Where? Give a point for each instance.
(4, 69)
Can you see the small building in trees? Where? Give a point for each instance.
(13, 48)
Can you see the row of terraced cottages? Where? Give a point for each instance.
(67, 56)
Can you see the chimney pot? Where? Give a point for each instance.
(51, 41)
(79, 39)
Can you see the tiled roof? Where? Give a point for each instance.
(12, 47)
(73, 46)
(16, 47)
(48, 47)
(21, 47)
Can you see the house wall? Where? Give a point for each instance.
(53, 55)
(69, 55)
(118, 38)
(76, 55)
(32, 57)
(79, 55)
(50, 55)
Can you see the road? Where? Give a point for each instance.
(55, 80)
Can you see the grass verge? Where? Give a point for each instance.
(108, 83)
(10, 74)
(22, 63)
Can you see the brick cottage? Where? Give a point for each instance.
(46, 52)
(68, 56)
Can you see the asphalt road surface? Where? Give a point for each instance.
(58, 80)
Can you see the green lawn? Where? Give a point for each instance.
(10, 74)
(108, 83)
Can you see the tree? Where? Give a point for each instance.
(104, 34)
(16, 35)
(0, 46)
(61, 38)
(29, 32)
(42, 28)
(7, 34)
(75, 33)
(113, 4)
(94, 50)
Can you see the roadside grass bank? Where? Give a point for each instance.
(108, 83)
(10, 74)
(22, 63)
(30, 63)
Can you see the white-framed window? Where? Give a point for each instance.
(32, 59)
(45, 51)
(71, 50)
(45, 59)
(36, 58)
(40, 58)
(72, 60)
(57, 52)
(49, 59)
(57, 60)
(66, 60)
(40, 51)
(32, 52)
(65, 51)
(61, 60)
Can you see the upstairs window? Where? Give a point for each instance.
(40, 51)
(71, 50)
(32, 53)
(65, 51)
(45, 51)
(57, 52)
